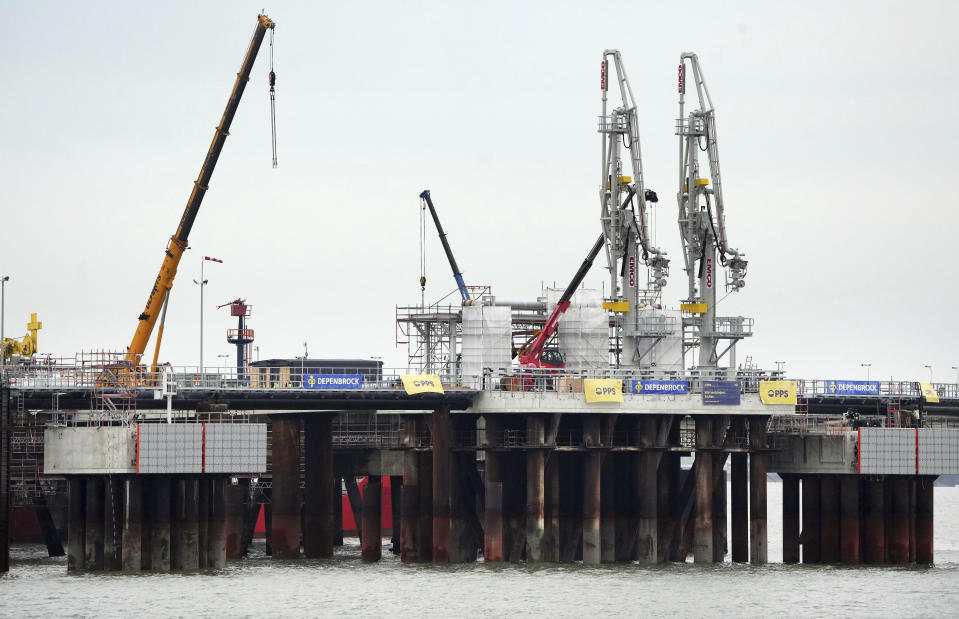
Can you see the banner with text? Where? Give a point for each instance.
(852, 387)
(929, 393)
(332, 381)
(422, 383)
(778, 392)
(603, 389)
(721, 393)
(658, 387)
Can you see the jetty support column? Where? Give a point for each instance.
(703, 519)
(76, 524)
(493, 520)
(924, 520)
(758, 467)
(441, 429)
(318, 491)
(132, 536)
(372, 528)
(875, 531)
(409, 524)
(648, 478)
(790, 517)
(829, 510)
(592, 487)
(286, 487)
(849, 518)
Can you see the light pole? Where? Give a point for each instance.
(956, 368)
(224, 357)
(3, 341)
(867, 366)
(203, 282)
(779, 367)
(929, 367)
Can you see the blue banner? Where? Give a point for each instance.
(721, 393)
(852, 387)
(658, 387)
(333, 381)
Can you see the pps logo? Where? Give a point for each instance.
(778, 393)
(424, 382)
(606, 391)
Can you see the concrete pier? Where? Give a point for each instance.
(286, 487)
(811, 544)
(76, 524)
(216, 528)
(899, 520)
(849, 519)
(161, 529)
(318, 491)
(493, 520)
(758, 468)
(94, 523)
(410, 494)
(441, 431)
(233, 519)
(190, 526)
(592, 489)
(829, 521)
(372, 538)
(703, 520)
(790, 517)
(203, 519)
(133, 525)
(535, 489)
(924, 520)
(648, 480)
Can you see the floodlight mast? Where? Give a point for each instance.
(703, 233)
(625, 223)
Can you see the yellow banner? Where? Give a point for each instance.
(422, 383)
(929, 393)
(603, 389)
(778, 392)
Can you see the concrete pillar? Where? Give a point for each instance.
(372, 537)
(160, 512)
(76, 524)
(424, 535)
(132, 524)
(441, 430)
(849, 519)
(286, 487)
(216, 530)
(396, 499)
(829, 508)
(899, 548)
(410, 495)
(318, 491)
(552, 544)
(648, 478)
(811, 544)
(790, 518)
(609, 481)
(493, 520)
(703, 520)
(535, 488)
(739, 489)
(924, 520)
(875, 533)
(592, 488)
(94, 523)
(758, 467)
(233, 525)
(203, 520)
(190, 533)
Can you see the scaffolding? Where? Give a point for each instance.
(113, 399)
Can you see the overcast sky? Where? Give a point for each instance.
(836, 127)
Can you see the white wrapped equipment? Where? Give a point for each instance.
(487, 341)
(583, 331)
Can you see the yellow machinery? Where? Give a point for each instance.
(27, 347)
(160, 293)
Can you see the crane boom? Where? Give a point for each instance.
(532, 351)
(457, 274)
(178, 242)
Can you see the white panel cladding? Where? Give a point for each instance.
(102, 450)
(583, 331)
(939, 451)
(171, 448)
(235, 448)
(487, 341)
(887, 451)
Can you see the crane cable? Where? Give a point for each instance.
(272, 98)
(423, 252)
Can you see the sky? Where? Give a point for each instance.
(835, 136)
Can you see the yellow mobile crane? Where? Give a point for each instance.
(160, 293)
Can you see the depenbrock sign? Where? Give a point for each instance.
(658, 387)
(333, 381)
(852, 387)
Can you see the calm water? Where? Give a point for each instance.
(260, 586)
